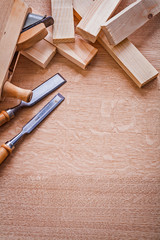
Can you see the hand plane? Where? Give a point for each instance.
(21, 30)
(33, 30)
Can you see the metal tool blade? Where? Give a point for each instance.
(28, 128)
(39, 93)
(32, 19)
(37, 119)
(45, 89)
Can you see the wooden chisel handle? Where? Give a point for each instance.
(4, 152)
(4, 117)
(10, 90)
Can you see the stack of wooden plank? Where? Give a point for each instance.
(96, 23)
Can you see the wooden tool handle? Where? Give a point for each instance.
(30, 37)
(10, 90)
(4, 117)
(4, 152)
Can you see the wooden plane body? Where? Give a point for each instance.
(13, 14)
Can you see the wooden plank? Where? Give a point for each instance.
(90, 25)
(130, 59)
(80, 52)
(5, 9)
(62, 12)
(41, 53)
(130, 19)
(80, 7)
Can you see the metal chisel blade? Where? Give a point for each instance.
(45, 89)
(44, 112)
(32, 19)
(36, 120)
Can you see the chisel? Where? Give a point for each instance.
(39, 93)
(8, 147)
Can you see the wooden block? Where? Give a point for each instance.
(90, 25)
(41, 53)
(9, 38)
(130, 19)
(130, 59)
(62, 12)
(80, 52)
(80, 7)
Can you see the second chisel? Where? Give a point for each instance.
(7, 148)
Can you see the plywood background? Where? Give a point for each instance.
(91, 170)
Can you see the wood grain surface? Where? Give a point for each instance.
(41, 53)
(5, 10)
(91, 170)
(62, 13)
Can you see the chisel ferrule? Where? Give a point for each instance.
(9, 146)
(10, 113)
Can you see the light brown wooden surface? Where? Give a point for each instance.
(62, 13)
(91, 170)
(130, 19)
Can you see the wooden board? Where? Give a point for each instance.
(81, 7)
(99, 176)
(130, 19)
(80, 52)
(9, 39)
(90, 25)
(130, 59)
(41, 53)
(62, 13)
(5, 9)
